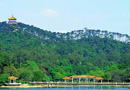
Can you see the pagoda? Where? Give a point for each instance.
(12, 20)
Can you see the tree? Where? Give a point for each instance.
(38, 75)
(58, 76)
(6, 70)
(13, 70)
(97, 72)
(108, 76)
(24, 76)
(4, 78)
(31, 65)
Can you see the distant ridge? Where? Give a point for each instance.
(73, 35)
(78, 34)
(86, 33)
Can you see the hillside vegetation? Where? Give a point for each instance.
(33, 54)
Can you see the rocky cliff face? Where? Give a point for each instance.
(74, 35)
(86, 33)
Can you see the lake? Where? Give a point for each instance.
(76, 88)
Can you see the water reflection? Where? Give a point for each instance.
(72, 87)
(87, 87)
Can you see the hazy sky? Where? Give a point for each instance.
(68, 15)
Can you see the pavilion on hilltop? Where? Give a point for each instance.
(12, 20)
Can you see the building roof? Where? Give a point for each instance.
(92, 76)
(99, 78)
(67, 78)
(13, 77)
(82, 76)
(76, 76)
(12, 18)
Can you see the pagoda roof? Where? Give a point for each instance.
(13, 77)
(12, 18)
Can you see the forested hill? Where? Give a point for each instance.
(31, 53)
(74, 35)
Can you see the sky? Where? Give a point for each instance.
(69, 15)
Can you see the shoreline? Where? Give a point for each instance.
(57, 86)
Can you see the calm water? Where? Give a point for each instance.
(77, 88)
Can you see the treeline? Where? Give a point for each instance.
(31, 58)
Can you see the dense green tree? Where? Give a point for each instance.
(25, 74)
(38, 76)
(108, 76)
(31, 53)
(31, 65)
(4, 78)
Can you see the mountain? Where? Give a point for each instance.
(86, 33)
(31, 53)
(77, 34)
